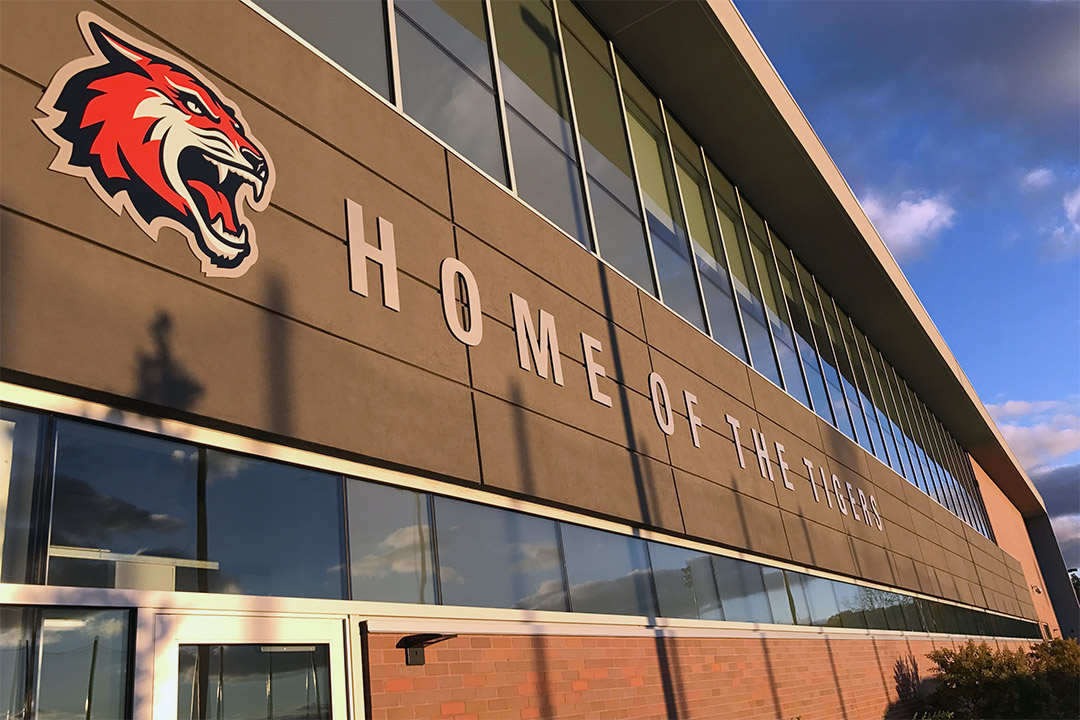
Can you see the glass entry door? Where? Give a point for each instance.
(212, 667)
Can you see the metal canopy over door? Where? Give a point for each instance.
(237, 667)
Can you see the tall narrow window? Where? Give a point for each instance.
(825, 351)
(804, 335)
(877, 442)
(447, 77)
(847, 376)
(666, 229)
(352, 34)
(538, 114)
(705, 241)
(743, 276)
(22, 519)
(878, 402)
(620, 230)
(776, 310)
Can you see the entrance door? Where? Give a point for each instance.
(215, 667)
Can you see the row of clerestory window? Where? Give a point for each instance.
(91, 505)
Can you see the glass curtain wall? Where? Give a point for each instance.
(847, 376)
(877, 442)
(825, 351)
(547, 175)
(616, 212)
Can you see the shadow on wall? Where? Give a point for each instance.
(911, 689)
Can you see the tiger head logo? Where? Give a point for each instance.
(153, 136)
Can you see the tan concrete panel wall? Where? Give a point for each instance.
(287, 351)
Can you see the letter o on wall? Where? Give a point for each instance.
(449, 271)
(664, 416)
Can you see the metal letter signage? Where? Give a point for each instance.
(153, 136)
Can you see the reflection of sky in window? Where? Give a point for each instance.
(490, 557)
(684, 583)
(390, 545)
(123, 492)
(608, 573)
(742, 590)
(446, 78)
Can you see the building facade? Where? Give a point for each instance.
(468, 359)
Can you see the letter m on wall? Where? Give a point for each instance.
(541, 350)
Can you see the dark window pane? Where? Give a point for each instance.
(351, 33)
(242, 682)
(490, 557)
(779, 598)
(620, 231)
(608, 573)
(929, 620)
(538, 113)
(389, 544)
(272, 529)
(912, 618)
(447, 83)
(20, 433)
(126, 498)
(849, 599)
(684, 583)
(742, 590)
(894, 613)
(74, 655)
(874, 604)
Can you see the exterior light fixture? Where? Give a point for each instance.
(414, 645)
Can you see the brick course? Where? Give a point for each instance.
(505, 676)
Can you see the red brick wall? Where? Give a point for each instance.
(513, 676)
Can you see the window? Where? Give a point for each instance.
(389, 543)
(489, 557)
(685, 586)
(20, 439)
(607, 573)
(742, 590)
(447, 80)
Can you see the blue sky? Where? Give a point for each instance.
(957, 124)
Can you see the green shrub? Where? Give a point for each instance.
(977, 682)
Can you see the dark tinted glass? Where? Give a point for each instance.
(243, 682)
(620, 231)
(538, 114)
(389, 543)
(111, 526)
(608, 573)
(874, 603)
(742, 590)
(684, 582)
(69, 663)
(490, 557)
(850, 600)
(894, 613)
(351, 33)
(20, 434)
(912, 617)
(272, 529)
(447, 83)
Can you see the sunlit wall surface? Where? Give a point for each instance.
(532, 94)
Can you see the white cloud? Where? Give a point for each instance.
(1064, 240)
(909, 222)
(1037, 179)
(1039, 432)
(1067, 531)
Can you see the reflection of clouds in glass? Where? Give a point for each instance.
(58, 630)
(531, 557)
(626, 595)
(401, 551)
(180, 456)
(84, 517)
(226, 466)
(548, 596)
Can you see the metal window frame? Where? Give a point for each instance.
(854, 381)
(500, 97)
(395, 62)
(813, 336)
(855, 362)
